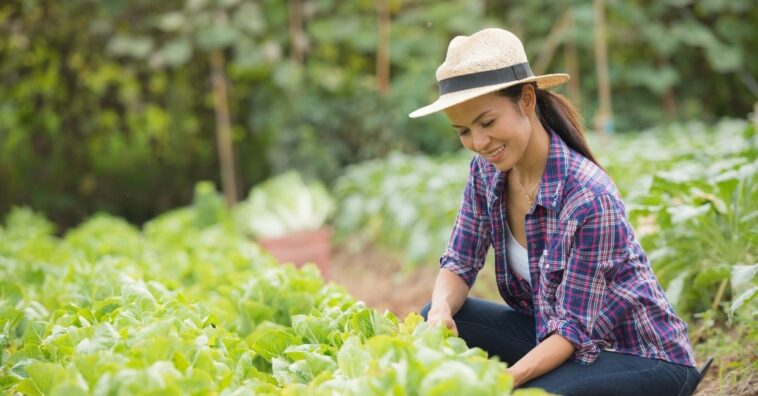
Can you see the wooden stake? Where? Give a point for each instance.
(714, 306)
(297, 35)
(572, 64)
(223, 130)
(604, 117)
(383, 46)
(668, 99)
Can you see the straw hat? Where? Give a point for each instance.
(487, 61)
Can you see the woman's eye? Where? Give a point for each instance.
(462, 132)
(488, 123)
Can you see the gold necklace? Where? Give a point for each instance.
(530, 198)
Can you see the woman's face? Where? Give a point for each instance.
(491, 126)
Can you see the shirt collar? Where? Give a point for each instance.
(551, 185)
(554, 177)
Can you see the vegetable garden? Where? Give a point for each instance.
(180, 308)
(190, 305)
(152, 154)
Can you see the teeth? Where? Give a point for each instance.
(496, 152)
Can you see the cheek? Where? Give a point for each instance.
(466, 141)
(519, 131)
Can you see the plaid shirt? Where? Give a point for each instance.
(591, 281)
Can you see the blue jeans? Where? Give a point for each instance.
(505, 333)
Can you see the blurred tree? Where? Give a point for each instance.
(209, 27)
(108, 105)
(82, 130)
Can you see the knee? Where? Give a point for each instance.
(425, 310)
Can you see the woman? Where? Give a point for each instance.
(585, 315)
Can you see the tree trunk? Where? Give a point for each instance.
(297, 36)
(572, 67)
(223, 129)
(604, 116)
(668, 99)
(383, 46)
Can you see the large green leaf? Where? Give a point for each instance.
(270, 343)
(42, 377)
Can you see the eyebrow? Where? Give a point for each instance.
(475, 119)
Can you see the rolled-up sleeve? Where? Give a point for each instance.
(597, 247)
(469, 240)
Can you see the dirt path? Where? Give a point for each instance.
(377, 278)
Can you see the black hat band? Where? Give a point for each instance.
(485, 78)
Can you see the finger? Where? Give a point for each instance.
(450, 324)
(435, 322)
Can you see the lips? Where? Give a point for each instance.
(495, 154)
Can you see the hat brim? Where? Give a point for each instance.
(451, 99)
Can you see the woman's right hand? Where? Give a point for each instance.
(443, 317)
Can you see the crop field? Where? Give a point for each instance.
(228, 197)
(178, 308)
(190, 305)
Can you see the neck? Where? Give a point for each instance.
(532, 163)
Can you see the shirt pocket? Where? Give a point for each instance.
(551, 275)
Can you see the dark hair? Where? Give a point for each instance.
(557, 113)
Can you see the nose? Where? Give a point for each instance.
(480, 139)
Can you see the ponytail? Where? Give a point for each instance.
(559, 114)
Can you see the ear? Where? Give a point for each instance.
(528, 102)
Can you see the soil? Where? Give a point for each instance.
(378, 279)
(727, 385)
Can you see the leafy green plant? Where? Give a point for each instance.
(407, 203)
(283, 205)
(189, 308)
(698, 211)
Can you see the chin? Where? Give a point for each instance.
(504, 166)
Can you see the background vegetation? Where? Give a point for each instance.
(109, 105)
(124, 106)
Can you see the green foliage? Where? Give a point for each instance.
(209, 205)
(693, 196)
(734, 348)
(82, 130)
(691, 192)
(185, 307)
(407, 203)
(283, 205)
(110, 109)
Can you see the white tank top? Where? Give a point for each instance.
(518, 257)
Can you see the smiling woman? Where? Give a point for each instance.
(585, 313)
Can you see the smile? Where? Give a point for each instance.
(495, 155)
